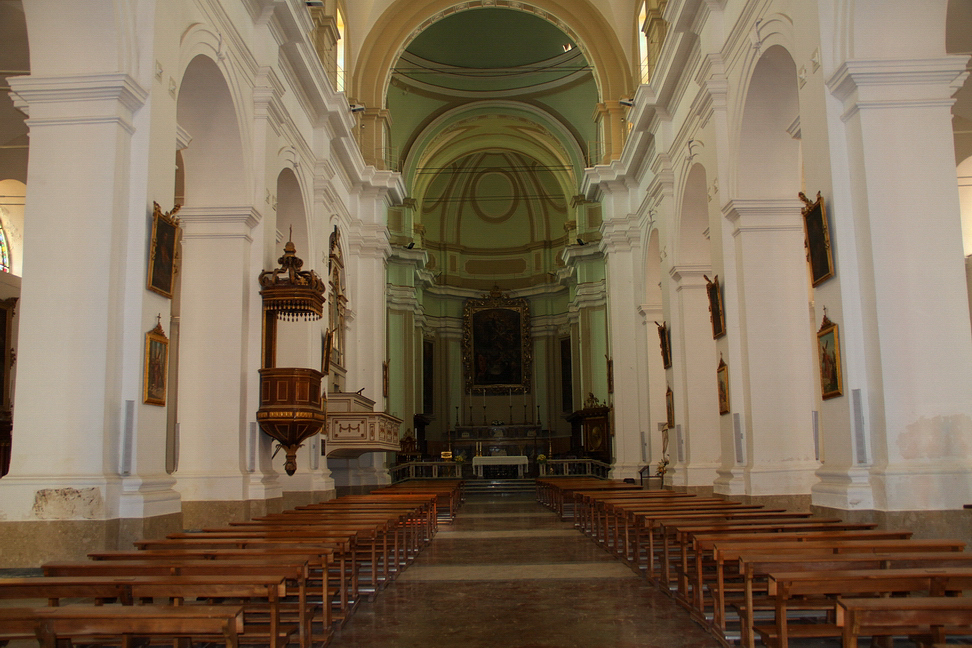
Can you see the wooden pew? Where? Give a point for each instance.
(295, 570)
(827, 585)
(755, 567)
(733, 553)
(700, 546)
(934, 615)
(127, 589)
(79, 622)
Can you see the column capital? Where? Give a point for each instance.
(621, 234)
(690, 276)
(369, 240)
(897, 83)
(81, 99)
(234, 221)
(777, 214)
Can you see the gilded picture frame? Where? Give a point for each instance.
(156, 366)
(497, 349)
(722, 379)
(828, 354)
(670, 409)
(665, 341)
(716, 313)
(163, 246)
(817, 239)
(327, 343)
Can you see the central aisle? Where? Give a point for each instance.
(508, 574)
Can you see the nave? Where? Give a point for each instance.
(508, 574)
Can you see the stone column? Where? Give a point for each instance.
(220, 298)
(79, 450)
(694, 363)
(908, 359)
(621, 244)
(777, 346)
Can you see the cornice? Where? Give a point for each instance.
(620, 234)
(896, 83)
(690, 275)
(775, 214)
(234, 221)
(95, 98)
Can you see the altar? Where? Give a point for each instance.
(520, 462)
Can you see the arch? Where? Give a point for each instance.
(214, 160)
(768, 158)
(652, 267)
(404, 19)
(691, 244)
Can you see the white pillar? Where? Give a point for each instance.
(621, 244)
(216, 376)
(694, 379)
(77, 452)
(776, 342)
(905, 309)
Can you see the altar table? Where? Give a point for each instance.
(520, 462)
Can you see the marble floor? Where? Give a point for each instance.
(508, 574)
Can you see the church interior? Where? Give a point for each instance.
(262, 254)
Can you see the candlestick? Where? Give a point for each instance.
(524, 414)
(457, 416)
(484, 413)
(538, 415)
(511, 399)
(511, 413)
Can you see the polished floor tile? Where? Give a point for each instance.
(508, 574)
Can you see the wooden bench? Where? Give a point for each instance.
(821, 588)
(293, 569)
(752, 561)
(936, 616)
(79, 622)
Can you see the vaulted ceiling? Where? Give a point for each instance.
(492, 113)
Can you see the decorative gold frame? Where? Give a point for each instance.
(816, 233)
(670, 409)
(162, 250)
(828, 354)
(722, 382)
(327, 343)
(514, 314)
(156, 375)
(665, 340)
(716, 313)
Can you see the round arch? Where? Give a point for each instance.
(691, 245)
(404, 19)
(767, 155)
(215, 170)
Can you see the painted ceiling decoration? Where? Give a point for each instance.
(493, 114)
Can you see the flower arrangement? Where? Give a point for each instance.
(460, 459)
(541, 458)
(662, 467)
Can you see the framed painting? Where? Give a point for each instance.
(817, 239)
(722, 377)
(828, 351)
(665, 340)
(156, 365)
(670, 408)
(497, 351)
(716, 312)
(162, 250)
(327, 342)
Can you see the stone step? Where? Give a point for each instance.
(499, 486)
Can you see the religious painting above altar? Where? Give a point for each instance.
(497, 352)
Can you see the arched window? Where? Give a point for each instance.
(341, 50)
(4, 251)
(642, 42)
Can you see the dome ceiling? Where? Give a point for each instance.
(491, 110)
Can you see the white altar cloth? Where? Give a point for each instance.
(520, 462)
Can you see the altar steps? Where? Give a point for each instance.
(498, 486)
